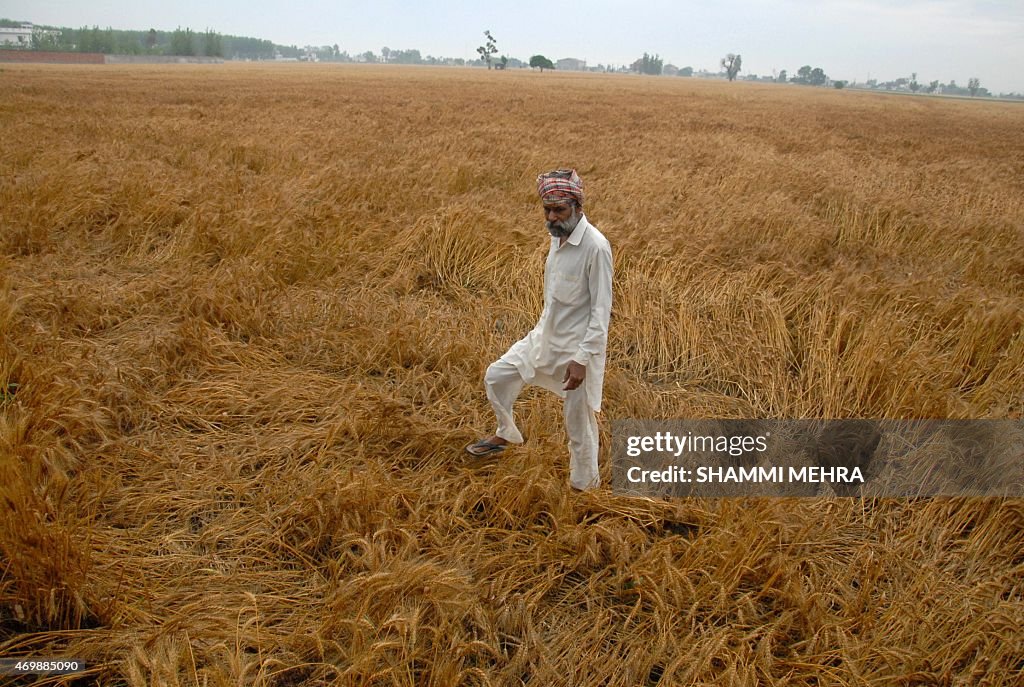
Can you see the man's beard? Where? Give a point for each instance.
(564, 228)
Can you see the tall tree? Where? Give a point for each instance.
(94, 40)
(973, 84)
(732, 64)
(43, 39)
(182, 42)
(648, 64)
(406, 56)
(212, 46)
(488, 49)
(654, 65)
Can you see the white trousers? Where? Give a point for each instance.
(503, 383)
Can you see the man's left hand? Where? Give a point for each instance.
(574, 375)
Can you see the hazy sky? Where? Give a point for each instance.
(849, 39)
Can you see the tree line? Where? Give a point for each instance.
(181, 41)
(816, 76)
(209, 43)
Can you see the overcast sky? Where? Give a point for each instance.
(849, 39)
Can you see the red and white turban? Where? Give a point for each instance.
(560, 186)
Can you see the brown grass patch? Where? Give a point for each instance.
(243, 325)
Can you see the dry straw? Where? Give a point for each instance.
(246, 312)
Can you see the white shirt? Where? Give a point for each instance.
(574, 322)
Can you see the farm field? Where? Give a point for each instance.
(245, 313)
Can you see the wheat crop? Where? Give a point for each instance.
(245, 313)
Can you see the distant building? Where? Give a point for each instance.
(670, 70)
(571, 64)
(16, 37)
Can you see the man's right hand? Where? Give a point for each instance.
(574, 375)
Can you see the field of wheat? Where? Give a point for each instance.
(245, 313)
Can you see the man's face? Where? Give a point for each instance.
(561, 218)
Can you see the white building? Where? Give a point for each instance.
(571, 64)
(17, 37)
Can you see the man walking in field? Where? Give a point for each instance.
(565, 351)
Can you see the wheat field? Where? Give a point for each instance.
(245, 313)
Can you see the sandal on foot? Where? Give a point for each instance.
(484, 448)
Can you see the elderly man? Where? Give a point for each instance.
(565, 352)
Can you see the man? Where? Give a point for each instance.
(565, 352)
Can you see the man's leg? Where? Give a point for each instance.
(503, 384)
(581, 426)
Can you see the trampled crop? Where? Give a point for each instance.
(245, 313)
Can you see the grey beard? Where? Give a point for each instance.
(563, 229)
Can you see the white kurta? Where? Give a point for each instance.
(574, 322)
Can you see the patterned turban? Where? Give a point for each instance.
(560, 186)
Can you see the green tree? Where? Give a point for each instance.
(914, 86)
(838, 85)
(932, 86)
(128, 43)
(782, 76)
(385, 52)
(973, 85)
(541, 62)
(815, 76)
(151, 40)
(44, 40)
(86, 40)
(406, 56)
(732, 64)
(240, 47)
(686, 71)
(952, 89)
(654, 65)
(212, 46)
(648, 64)
(182, 42)
(488, 49)
(94, 40)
